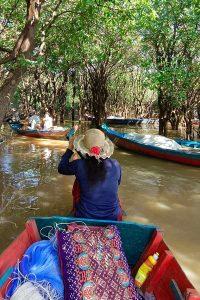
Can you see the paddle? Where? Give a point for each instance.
(71, 133)
(176, 291)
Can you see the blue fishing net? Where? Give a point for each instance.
(39, 263)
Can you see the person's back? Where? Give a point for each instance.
(98, 179)
(99, 199)
(48, 121)
(34, 120)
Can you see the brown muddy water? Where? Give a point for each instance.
(152, 191)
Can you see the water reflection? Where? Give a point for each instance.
(152, 191)
(27, 168)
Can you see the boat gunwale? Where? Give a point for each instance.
(152, 233)
(183, 153)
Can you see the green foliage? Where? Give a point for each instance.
(157, 37)
(11, 21)
(169, 45)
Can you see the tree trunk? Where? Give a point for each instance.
(86, 107)
(99, 100)
(98, 83)
(189, 128)
(162, 126)
(164, 112)
(62, 96)
(24, 45)
(177, 124)
(7, 90)
(73, 75)
(175, 120)
(73, 111)
(161, 116)
(198, 113)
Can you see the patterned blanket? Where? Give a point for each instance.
(93, 264)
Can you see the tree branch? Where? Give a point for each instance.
(25, 42)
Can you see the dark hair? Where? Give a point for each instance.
(96, 170)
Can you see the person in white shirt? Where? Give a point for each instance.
(34, 121)
(48, 121)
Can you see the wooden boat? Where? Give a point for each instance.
(122, 121)
(122, 140)
(196, 122)
(45, 134)
(166, 281)
(133, 121)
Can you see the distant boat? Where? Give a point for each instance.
(45, 134)
(114, 120)
(196, 122)
(131, 121)
(189, 156)
(167, 281)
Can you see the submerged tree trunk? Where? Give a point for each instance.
(62, 97)
(7, 90)
(198, 113)
(99, 99)
(73, 95)
(98, 83)
(189, 129)
(175, 119)
(162, 114)
(162, 126)
(188, 115)
(85, 100)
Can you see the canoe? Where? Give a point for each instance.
(133, 121)
(45, 134)
(122, 121)
(166, 280)
(125, 141)
(196, 122)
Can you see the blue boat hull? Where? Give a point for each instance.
(122, 141)
(133, 121)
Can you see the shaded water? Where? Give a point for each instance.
(152, 191)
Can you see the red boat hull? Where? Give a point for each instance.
(44, 135)
(166, 155)
(157, 283)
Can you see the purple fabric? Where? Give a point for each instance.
(93, 264)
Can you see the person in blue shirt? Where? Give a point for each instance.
(97, 175)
